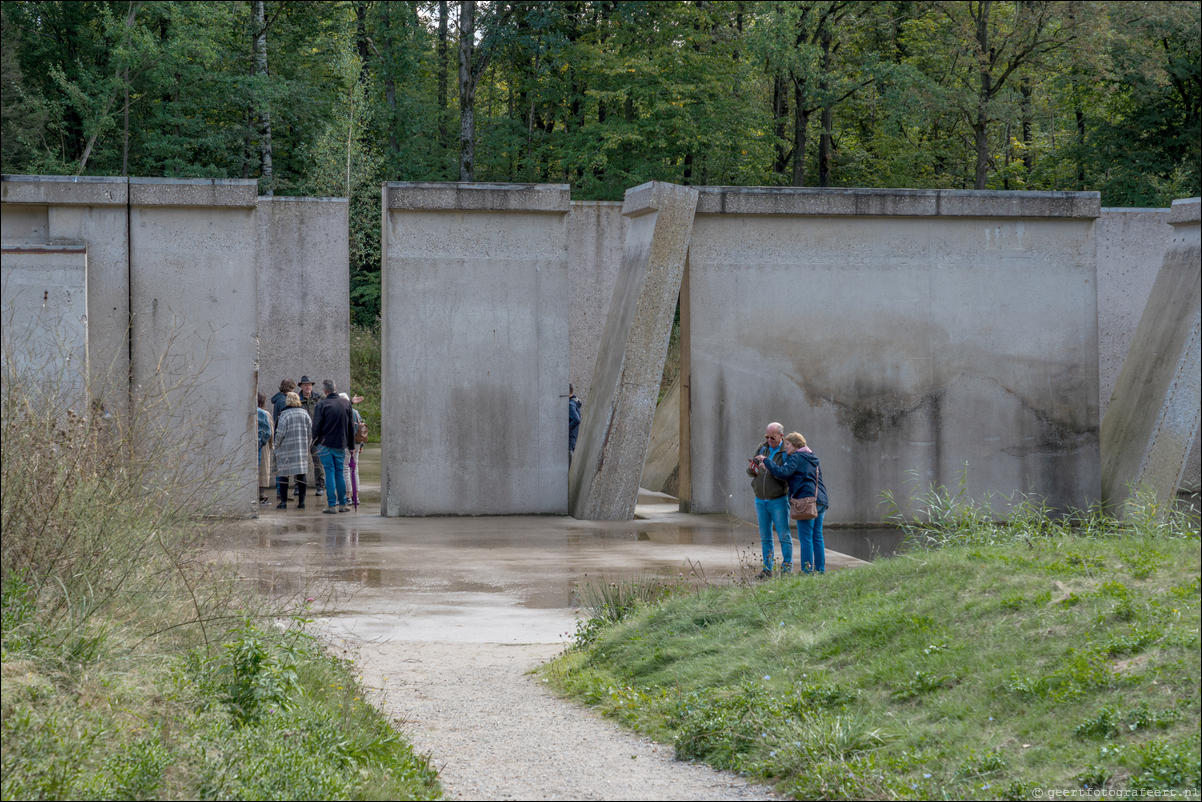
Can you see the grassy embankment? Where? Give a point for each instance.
(131, 667)
(988, 662)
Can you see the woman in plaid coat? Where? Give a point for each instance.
(292, 434)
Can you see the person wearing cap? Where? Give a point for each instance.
(309, 402)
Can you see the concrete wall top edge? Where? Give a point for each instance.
(227, 192)
(1134, 209)
(897, 202)
(1186, 210)
(596, 203)
(66, 190)
(477, 196)
(265, 198)
(650, 196)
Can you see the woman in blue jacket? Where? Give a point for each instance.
(801, 470)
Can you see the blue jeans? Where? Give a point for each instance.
(813, 550)
(775, 512)
(332, 460)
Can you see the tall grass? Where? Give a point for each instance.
(132, 666)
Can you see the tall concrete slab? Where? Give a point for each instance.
(44, 310)
(910, 335)
(616, 423)
(304, 291)
(92, 210)
(475, 349)
(596, 237)
(193, 300)
(1153, 418)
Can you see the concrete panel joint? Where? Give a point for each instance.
(616, 425)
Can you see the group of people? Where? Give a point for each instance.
(300, 429)
(785, 468)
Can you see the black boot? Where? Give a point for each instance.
(281, 491)
(301, 488)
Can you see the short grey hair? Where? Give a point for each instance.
(329, 386)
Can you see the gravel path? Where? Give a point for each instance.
(497, 733)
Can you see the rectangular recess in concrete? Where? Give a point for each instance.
(44, 310)
(616, 424)
(193, 282)
(304, 291)
(475, 349)
(902, 347)
(1153, 418)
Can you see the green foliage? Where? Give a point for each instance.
(603, 96)
(365, 375)
(1162, 765)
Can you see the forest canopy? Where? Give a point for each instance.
(332, 98)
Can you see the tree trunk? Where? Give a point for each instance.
(780, 110)
(389, 82)
(1080, 148)
(467, 90)
(443, 13)
(361, 38)
(980, 127)
(801, 125)
(824, 139)
(264, 113)
(1028, 157)
(125, 138)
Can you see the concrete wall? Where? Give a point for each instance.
(44, 309)
(903, 332)
(93, 210)
(475, 349)
(304, 291)
(596, 232)
(1153, 417)
(193, 301)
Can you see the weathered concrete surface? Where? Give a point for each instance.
(616, 424)
(897, 202)
(92, 210)
(901, 346)
(44, 310)
(661, 468)
(193, 299)
(1153, 417)
(1131, 247)
(596, 236)
(304, 291)
(475, 349)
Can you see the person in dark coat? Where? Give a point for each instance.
(333, 434)
(573, 421)
(801, 470)
(279, 401)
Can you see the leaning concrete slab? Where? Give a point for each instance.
(1153, 416)
(304, 291)
(905, 333)
(193, 299)
(475, 349)
(92, 210)
(616, 424)
(596, 236)
(44, 310)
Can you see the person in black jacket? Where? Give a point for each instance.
(279, 401)
(333, 434)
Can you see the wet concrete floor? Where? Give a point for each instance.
(510, 579)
